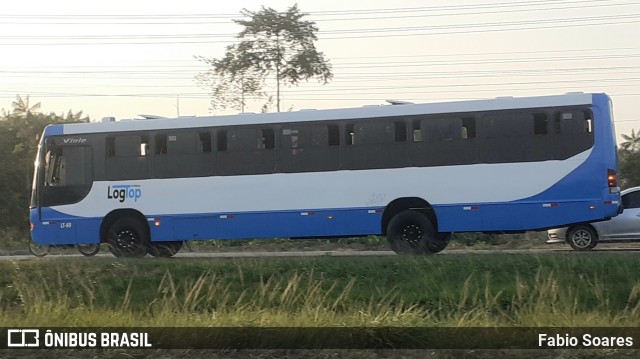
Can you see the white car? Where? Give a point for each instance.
(624, 227)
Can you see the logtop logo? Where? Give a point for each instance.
(124, 192)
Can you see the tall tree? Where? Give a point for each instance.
(275, 43)
(632, 142)
(22, 107)
(629, 169)
(228, 91)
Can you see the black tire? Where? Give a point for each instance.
(411, 232)
(164, 249)
(128, 237)
(89, 250)
(582, 238)
(38, 250)
(440, 242)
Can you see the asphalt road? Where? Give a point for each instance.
(347, 253)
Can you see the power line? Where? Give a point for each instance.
(188, 20)
(176, 70)
(404, 89)
(439, 8)
(354, 76)
(447, 59)
(369, 32)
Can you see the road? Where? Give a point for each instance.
(348, 253)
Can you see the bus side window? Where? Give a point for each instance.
(221, 140)
(573, 132)
(127, 157)
(245, 151)
(468, 127)
(507, 137)
(375, 143)
(183, 154)
(349, 135)
(573, 122)
(239, 140)
(296, 139)
(416, 131)
(161, 144)
(438, 129)
(540, 124)
(68, 166)
(439, 141)
(507, 125)
(373, 132)
(334, 135)
(267, 140)
(400, 129)
(183, 143)
(127, 146)
(308, 148)
(204, 144)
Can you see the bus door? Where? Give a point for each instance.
(66, 180)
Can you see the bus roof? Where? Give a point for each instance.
(500, 103)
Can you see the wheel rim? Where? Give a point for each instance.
(582, 238)
(412, 234)
(126, 239)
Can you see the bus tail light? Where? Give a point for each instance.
(612, 181)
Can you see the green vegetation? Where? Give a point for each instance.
(629, 158)
(272, 45)
(20, 131)
(470, 290)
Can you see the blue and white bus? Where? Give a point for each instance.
(413, 172)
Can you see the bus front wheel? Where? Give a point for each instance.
(128, 237)
(411, 232)
(38, 250)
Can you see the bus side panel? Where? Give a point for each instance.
(519, 216)
(37, 235)
(58, 228)
(278, 224)
(87, 230)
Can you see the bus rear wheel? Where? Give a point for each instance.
(89, 250)
(128, 237)
(164, 249)
(411, 232)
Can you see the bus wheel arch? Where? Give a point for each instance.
(410, 225)
(407, 203)
(126, 232)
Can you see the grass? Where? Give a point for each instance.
(472, 290)
(456, 290)
(14, 240)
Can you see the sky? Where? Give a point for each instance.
(126, 58)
